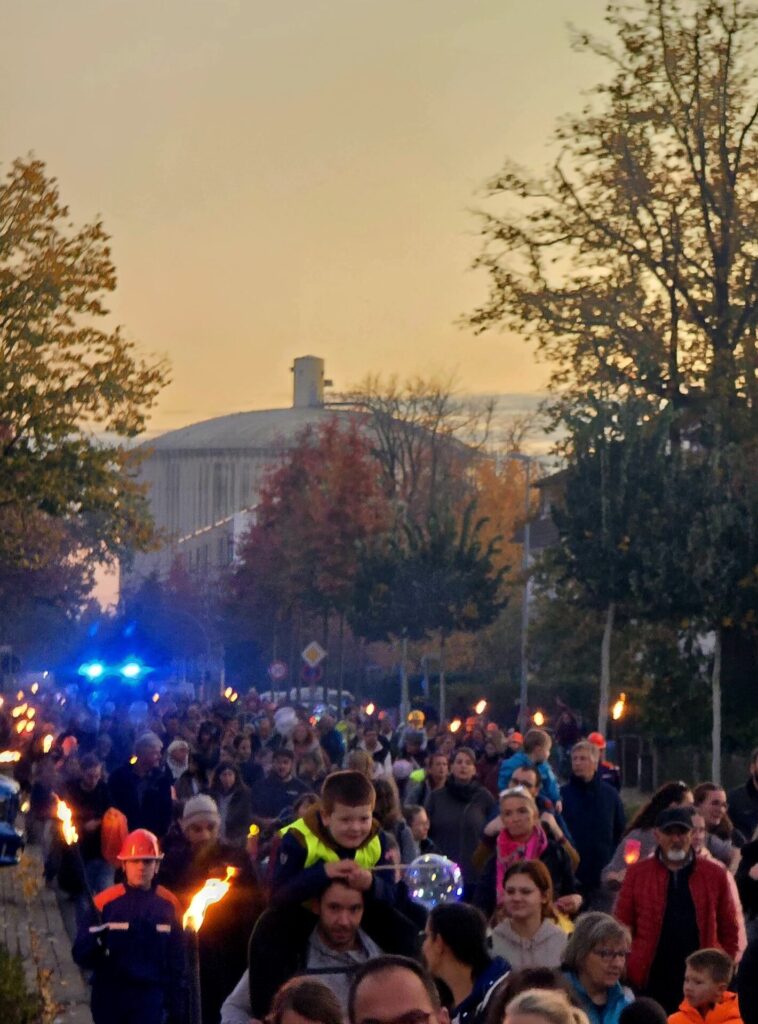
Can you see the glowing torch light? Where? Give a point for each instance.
(25, 807)
(156, 698)
(47, 743)
(370, 709)
(9, 756)
(31, 712)
(538, 718)
(632, 851)
(63, 813)
(214, 890)
(481, 707)
(18, 711)
(234, 696)
(29, 726)
(35, 687)
(619, 707)
(20, 726)
(20, 695)
(455, 725)
(228, 692)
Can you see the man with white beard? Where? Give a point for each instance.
(674, 903)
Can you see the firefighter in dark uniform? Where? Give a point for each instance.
(131, 938)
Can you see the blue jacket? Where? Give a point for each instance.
(595, 815)
(522, 760)
(473, 1009)
(134, 943)
(618, 998)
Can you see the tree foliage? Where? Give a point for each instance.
(633, 259)
(63, 376)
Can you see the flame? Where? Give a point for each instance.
(619, 707)
(18, 711)
(370, 709)
(214, 890)
(25, 807)
(538, 718)
(63, 812)
(35, 687)
(20, 695)
(47, 743)
(455, 725)
(29, 726)
(31, 712)
(20, 726)
(9, 756)
(156, 698)
(228, 692)
(234, 696)
(481, 707)
(632, 851)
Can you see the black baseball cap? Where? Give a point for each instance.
(674, 817)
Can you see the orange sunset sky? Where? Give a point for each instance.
(292, 177)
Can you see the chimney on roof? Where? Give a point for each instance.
(309, 383)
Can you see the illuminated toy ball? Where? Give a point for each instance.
(432, 879)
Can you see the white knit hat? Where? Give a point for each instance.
(200, 806)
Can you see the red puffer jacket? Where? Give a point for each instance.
(641, 904)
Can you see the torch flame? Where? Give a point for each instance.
(63, 812)
(47, 743)
(370, 708)
(632, 851)
(18, 711)
(455, 725)
(619, 707)
(9, 756)
(214, 890)
(481, 707)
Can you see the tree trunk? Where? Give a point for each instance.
(443, 693)
(404, 699)
(341, 673)
(605, 669)
(716, 699)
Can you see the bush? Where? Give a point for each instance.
(17, 1004)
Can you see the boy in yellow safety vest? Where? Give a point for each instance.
(336, 838)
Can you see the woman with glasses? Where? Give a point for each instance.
(594, 963)
(517, 835)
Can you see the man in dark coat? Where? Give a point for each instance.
(595, 817)
(142, 791)
(743, 801)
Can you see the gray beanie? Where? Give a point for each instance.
(199, 806)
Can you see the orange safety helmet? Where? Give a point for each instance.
(597, 740)
(140, 845)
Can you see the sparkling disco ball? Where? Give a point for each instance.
(432, 879)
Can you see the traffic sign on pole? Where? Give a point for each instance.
(313, 654)
(277, 671)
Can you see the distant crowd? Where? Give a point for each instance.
(570, 913)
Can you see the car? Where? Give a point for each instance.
(11, 840)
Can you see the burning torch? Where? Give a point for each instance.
(214, 890)
(71, 838)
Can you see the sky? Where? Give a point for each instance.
(293, 178)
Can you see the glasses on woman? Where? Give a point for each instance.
(607, 955)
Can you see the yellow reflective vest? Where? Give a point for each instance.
(366, 856)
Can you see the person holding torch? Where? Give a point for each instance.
(131, 939)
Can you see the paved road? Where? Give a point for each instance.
(31, 925)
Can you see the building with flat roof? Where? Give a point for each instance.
(204, 480)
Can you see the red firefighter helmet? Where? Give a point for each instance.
(597, 740)
(140, 845)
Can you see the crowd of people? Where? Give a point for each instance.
(570, 914)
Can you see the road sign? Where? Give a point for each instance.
(277, 671)
(313, 654)
(311, 675)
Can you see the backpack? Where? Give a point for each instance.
(113, 832)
